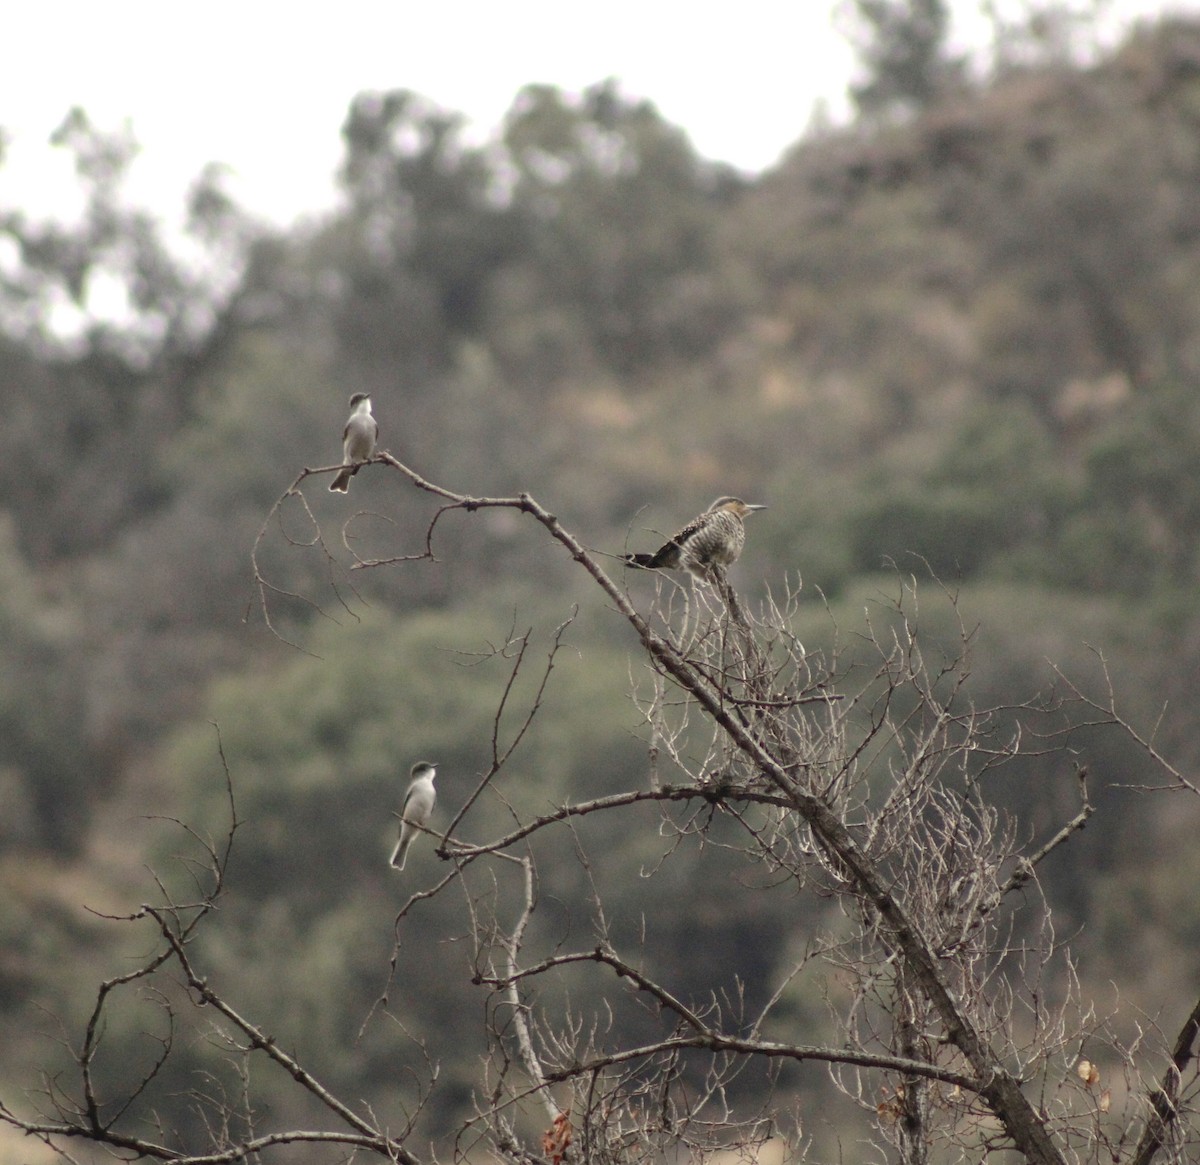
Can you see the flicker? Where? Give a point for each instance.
(712, 539)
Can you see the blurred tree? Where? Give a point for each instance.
(903, 45)
(318, 783)
(1089, 242)
(105, 330)
(961, 506)
(1136, 528)
(49, 780)
(1044, 32)
(968, 332)
(623, 256)
(866, 810)
(427, 227)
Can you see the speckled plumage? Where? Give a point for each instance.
(711, 540)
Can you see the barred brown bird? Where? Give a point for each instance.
(713, 539)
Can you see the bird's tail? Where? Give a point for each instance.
(400, 853)
(643, 561)
(341, 483)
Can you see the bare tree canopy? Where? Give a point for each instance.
(863, 830)
(866, 792)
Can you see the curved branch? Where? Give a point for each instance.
(715, 794)
(1164, 1099)
(259, 1040)
(796, 1052)
(152, 1150)
(998, 1087)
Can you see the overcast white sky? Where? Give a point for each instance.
(263, 86)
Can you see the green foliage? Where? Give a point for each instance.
(1141, 501)
(968, 509)
(107, 333)
(966, 336)
(903, 45)
(625, 212)
(320, 751)
(424, 237)
(47, 779)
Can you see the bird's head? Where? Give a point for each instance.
(358, 398)
(735, 506)
(423, 769)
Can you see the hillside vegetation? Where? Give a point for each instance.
(960, 345)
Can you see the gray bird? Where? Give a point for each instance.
(358, 441)
(712, 539)
(418, 807)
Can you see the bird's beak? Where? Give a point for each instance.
(750, 507)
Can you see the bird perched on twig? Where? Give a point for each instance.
(418, 808)
(711, 540)
(358, 441)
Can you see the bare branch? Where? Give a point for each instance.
(1164, 1100)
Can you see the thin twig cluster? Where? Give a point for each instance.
(855, 782)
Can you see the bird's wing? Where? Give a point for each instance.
(408, 799)
(689, 530)
(420, 798)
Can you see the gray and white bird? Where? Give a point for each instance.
(418, 807)
(358, 441)
(712, 539)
